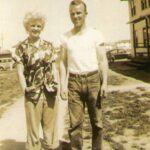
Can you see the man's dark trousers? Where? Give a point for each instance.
(83, 89)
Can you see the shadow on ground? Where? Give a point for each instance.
(11, 145)
(124, 68)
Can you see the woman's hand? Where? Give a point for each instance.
(64, 94)
(30, 89)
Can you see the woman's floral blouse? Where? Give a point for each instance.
(38, 66)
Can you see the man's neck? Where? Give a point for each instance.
(79, 29)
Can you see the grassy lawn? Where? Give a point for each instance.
(9, 89)
(126, 115)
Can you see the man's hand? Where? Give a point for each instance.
(103, 92)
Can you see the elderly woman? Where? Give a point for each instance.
(36, 70)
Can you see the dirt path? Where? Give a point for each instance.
(128, 83)
(12, 127)
(12, 123)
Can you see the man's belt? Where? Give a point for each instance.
(83, 74)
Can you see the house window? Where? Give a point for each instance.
(149, 36)
(135, 39)
(133, 7)
(146, 37)
(143, 4)
(149, 3)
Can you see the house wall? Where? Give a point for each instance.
(138, 21)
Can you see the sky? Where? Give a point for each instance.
(108, 16)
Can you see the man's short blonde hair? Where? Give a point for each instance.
(78, 2)
(31, 16)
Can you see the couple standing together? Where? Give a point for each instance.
(82, 67)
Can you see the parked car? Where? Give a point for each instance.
(6, 63)
(2, 68)
(114, 54)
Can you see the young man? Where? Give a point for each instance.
(86, 64)
(35, 59)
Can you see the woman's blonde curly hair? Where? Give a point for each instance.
(31, 16)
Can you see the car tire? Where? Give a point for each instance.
(2, 68)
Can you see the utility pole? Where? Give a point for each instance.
(2, 38)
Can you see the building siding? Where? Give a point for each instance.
(140, 28)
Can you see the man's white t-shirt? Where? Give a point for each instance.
(81, 50)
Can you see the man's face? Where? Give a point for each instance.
(34, 28)
(78, 15)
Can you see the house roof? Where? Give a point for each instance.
(139, 18)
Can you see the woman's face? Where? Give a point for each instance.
(34, 28)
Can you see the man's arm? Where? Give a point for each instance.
(103, 68)
(63, 73)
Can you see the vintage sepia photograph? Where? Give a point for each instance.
(74, 74)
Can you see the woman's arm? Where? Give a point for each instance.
(20, 72)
